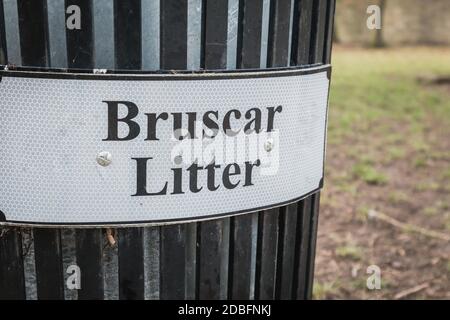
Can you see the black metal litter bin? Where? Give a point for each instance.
(263, 255)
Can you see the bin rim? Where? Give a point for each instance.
(109, 74)
(155, 223)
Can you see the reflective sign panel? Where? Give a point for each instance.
(90, 149)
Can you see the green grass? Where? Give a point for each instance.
(380, 113)
(427, 186)
(398, 197)
(446, 174)
(388, 151)
(395, 153)
(420, 162)
(349, 251)
(374, 91)
(321, 291)
(370, 175)
(447, 220)
(362, 213)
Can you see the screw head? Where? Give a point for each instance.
(268, 145)
(104, 158)
(178, 160)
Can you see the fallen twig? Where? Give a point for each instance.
(408, 227)
(432, 79)
(410, 291)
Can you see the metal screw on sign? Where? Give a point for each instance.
(104, 158)
(268, 145)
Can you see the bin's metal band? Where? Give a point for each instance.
(80, 150)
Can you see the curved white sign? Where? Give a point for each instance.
(90, 149)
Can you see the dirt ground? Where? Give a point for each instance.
(388, 155)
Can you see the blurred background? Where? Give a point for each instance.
(386, 200)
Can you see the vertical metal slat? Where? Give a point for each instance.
(127, 31)
(173, 34)
(89, 244)
(194, 34)
(29, 267)
(265, 22)
(173, 262)
(194, 57)
(127, 35)
(301, 248)
(57, 33)
(302, 32)
(69, 258)
(150, 34)
(49, 273)
(209, 262)
(131, 264)
(33, 32)
(211, 232)
(286, 254)
(151, 262)
(173, 55)
(240, 257)
(191, 253)
(12, 34)
(242, 230)
(279, 32)
(249, 34)
(104, 268)
(12, 284)
(216, 32)
(103, 24)
(318, 31)
(266, 263)
(80, 44)
(3, 51)
(232, 31)
(312, 246)
(110, 262)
